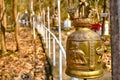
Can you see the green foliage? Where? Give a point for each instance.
(1, 52)
(9, 10)
(12, 29)
(8, 1)
(10, 52)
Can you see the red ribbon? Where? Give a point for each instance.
(95, 26)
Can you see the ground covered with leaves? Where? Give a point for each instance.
(107, 54)
(16, 65)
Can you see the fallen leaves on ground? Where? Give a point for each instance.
(14, 64)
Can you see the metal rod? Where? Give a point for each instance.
(34, 38)
(46, 39)
(54, 56)
(43, 24)
(60, 57)
(49, 42)
(57, 41)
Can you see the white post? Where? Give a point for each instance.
(48, 18)
(34, 24)
(34, 35)
(54, 55)
(44, 33)
(46, 38)
(60, 57)
(44, 17)
(43, 24)
(49, 48)
(31, 6)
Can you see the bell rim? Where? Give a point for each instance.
(85, 74)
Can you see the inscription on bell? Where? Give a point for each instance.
(77, 55)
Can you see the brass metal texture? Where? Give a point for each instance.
(84, 51)
(84, 47)
(55, 19)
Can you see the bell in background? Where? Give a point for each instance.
(84, 47)
(55, 20)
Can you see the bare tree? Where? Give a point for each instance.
(2, 28)
(15, 25)
(4, 17)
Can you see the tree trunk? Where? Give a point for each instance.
(2, 12)
(4, 17)
(3, 44)
(115, 38)
(15, 25)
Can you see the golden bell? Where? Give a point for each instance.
(55, 20)
(84, 47)
(84, 50)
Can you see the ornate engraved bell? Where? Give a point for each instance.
(84, 50)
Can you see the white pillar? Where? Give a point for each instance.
(49, 46)
(60, 57)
